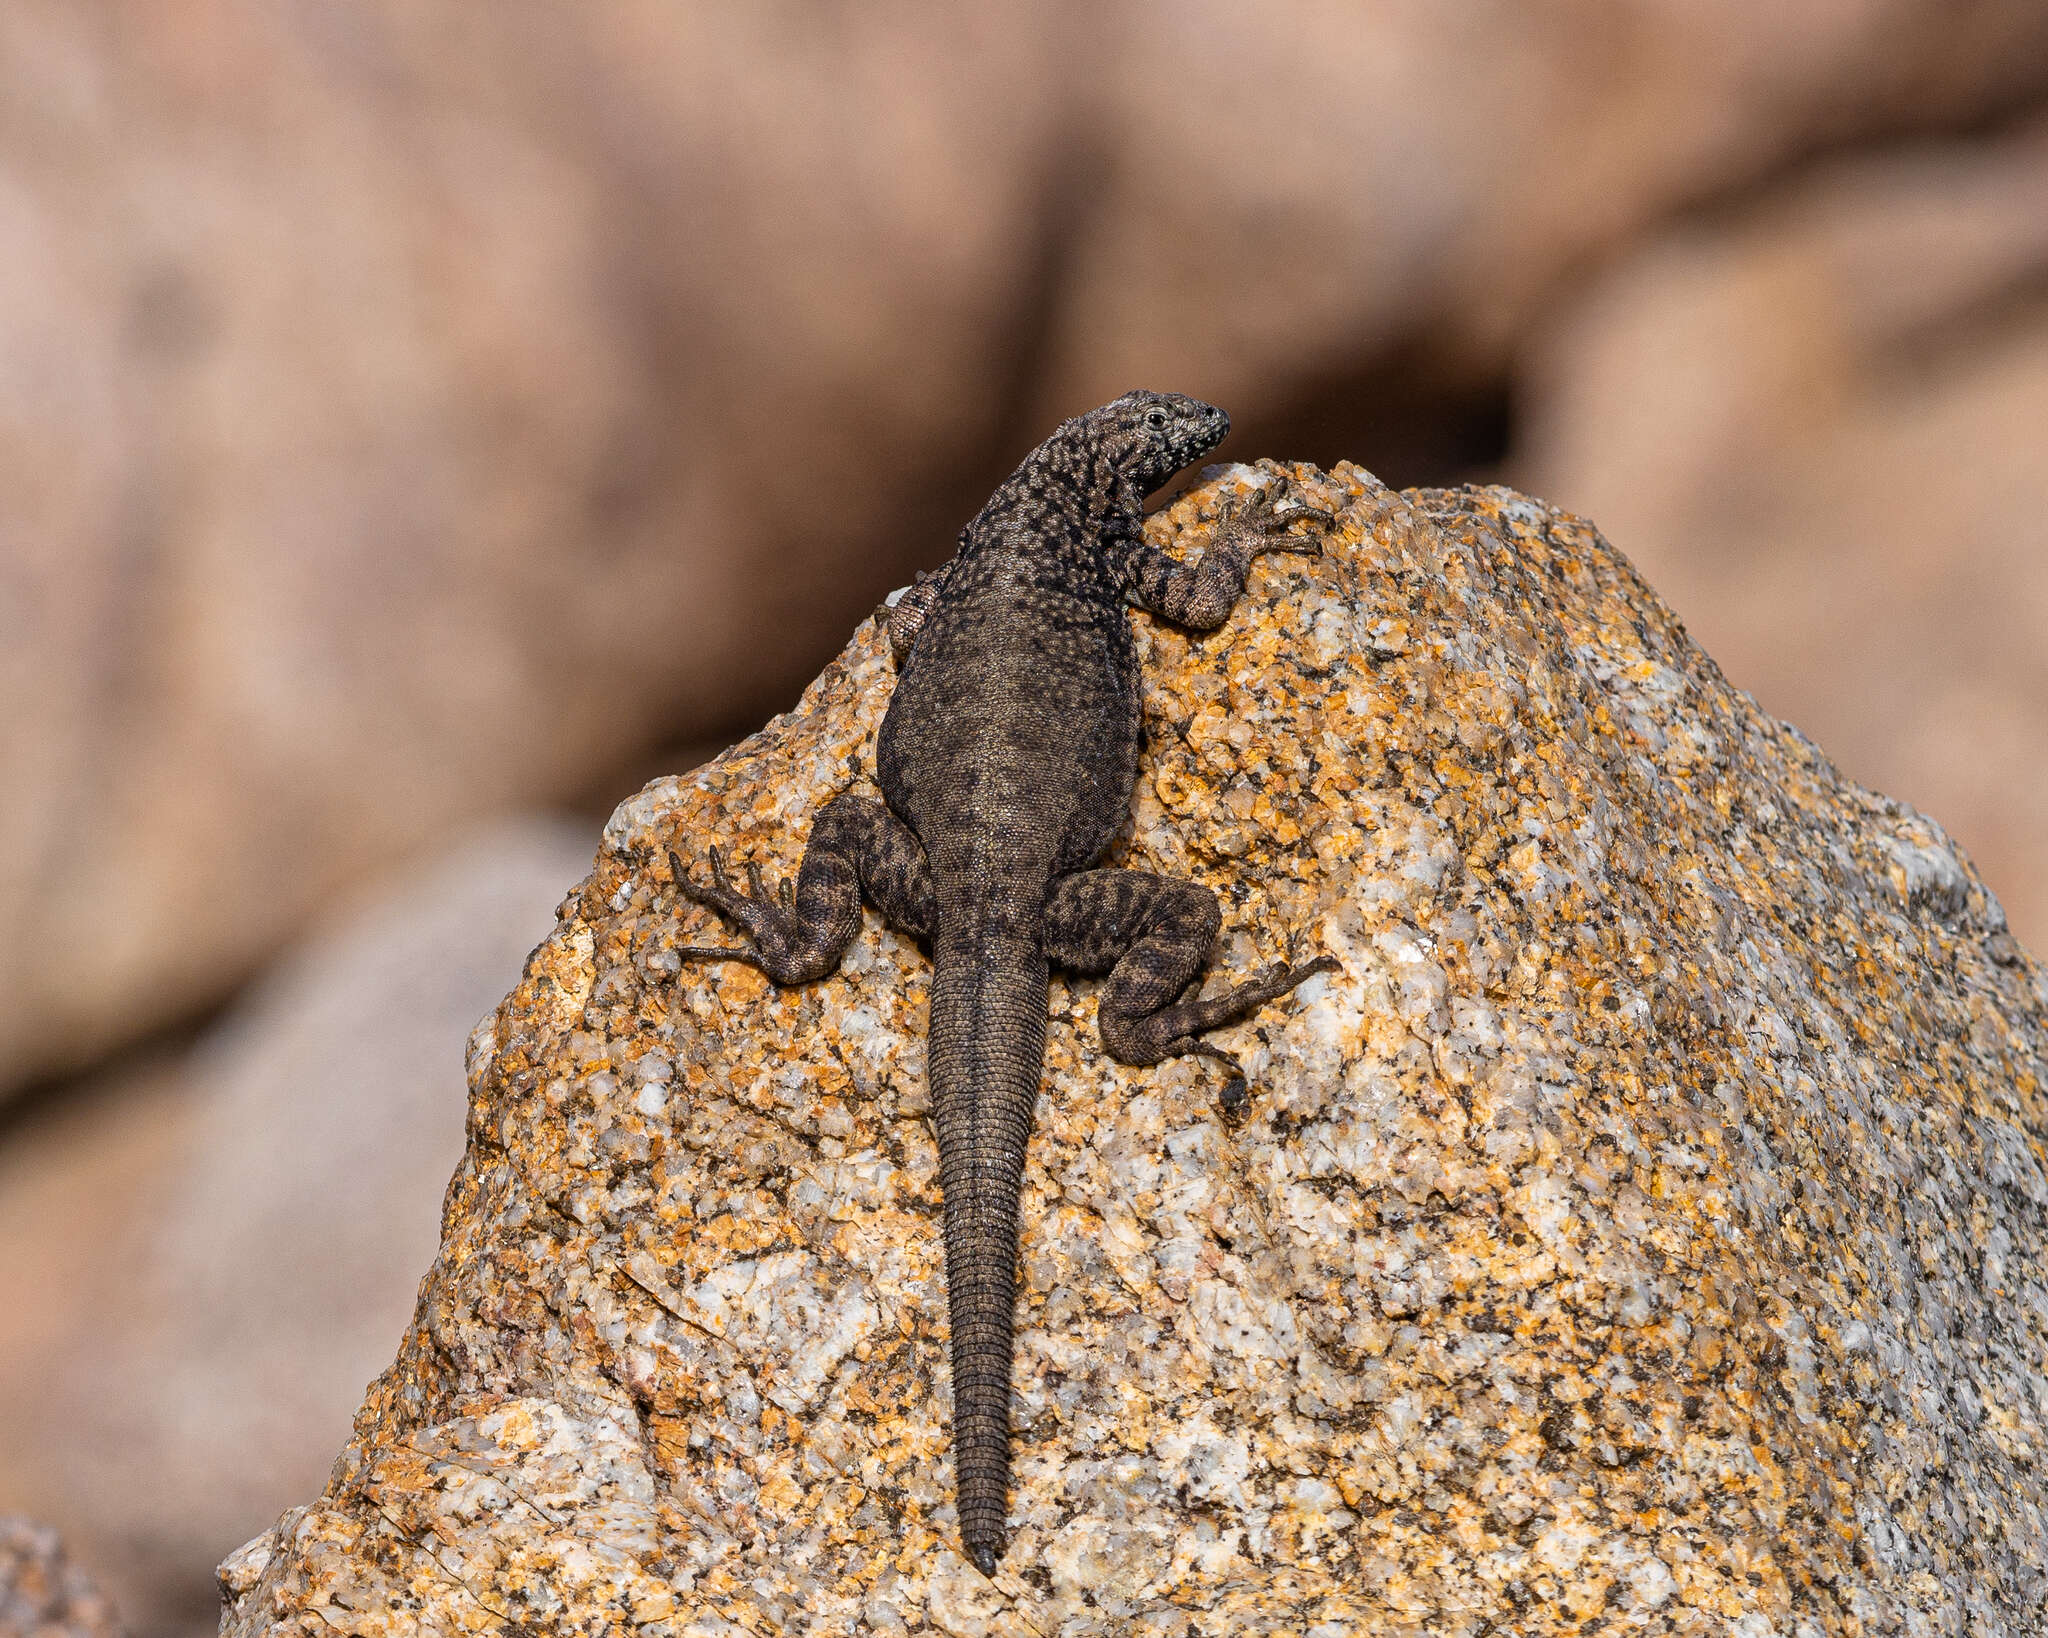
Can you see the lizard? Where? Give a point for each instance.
(1007, 761)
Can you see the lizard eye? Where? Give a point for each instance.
(1155, 418)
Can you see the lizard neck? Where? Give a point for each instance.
(1068, 478)
(1105, 501)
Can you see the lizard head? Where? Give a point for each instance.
(1149, 436)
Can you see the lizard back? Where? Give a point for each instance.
(1011, 742)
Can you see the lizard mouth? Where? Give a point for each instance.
(1200, 439)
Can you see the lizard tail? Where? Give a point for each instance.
(986, 1048)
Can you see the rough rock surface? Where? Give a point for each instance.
(1642, 1232)
(42, 1593)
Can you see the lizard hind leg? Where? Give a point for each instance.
(1153, 935)
(798, 931)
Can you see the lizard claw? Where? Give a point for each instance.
(718, 895)
(1234, 1093)
(1301, 511)
(720, 952)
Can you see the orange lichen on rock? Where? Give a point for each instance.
(1642, 1231)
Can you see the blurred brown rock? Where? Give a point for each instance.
(406, 407)
(42, 1593)
(277, 1226)
(1291, 190)
(417, 408)
(83, 1179)
(1821, 427)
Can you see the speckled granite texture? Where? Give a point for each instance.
(42, 1593)
(1641, 1233)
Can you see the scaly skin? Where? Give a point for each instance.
(1007, 761)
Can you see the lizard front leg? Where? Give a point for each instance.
(904, 618)
(857, 849)
(1152, 935)
(1200, 594)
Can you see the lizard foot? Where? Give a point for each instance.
(1275, 981)
(769, 919)
(1264, 526)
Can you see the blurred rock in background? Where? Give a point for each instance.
(208, 1321)
(413, 412)
(42, 1593)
